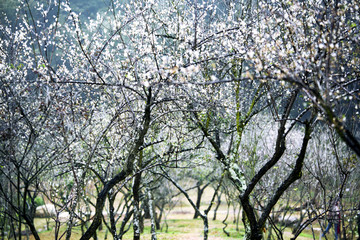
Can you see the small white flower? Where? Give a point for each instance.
(213, 78)
(146, 83)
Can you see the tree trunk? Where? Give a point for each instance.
(206, 227)
(100, 202)
(200, 192)
(198, 200)
(152, 217)
(112, 216)
(158, 217)
(217, 205)
(136, 207)
(30, 223)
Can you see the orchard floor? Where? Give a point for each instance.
(180, 225)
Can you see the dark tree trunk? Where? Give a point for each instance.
(217, 205)
(158, 217)
(198, 200)
(200, 192)
(31, 225)
(146, 207)
(112, 216)
(100, 202)
(136, 207)
(136, 220)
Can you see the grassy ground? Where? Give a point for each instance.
(180, 226)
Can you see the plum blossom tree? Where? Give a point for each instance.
(148, 83)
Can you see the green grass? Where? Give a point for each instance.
(177, 229)
(307, 235)
(180, 226)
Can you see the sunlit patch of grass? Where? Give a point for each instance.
(307, 235)
(218, 232)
